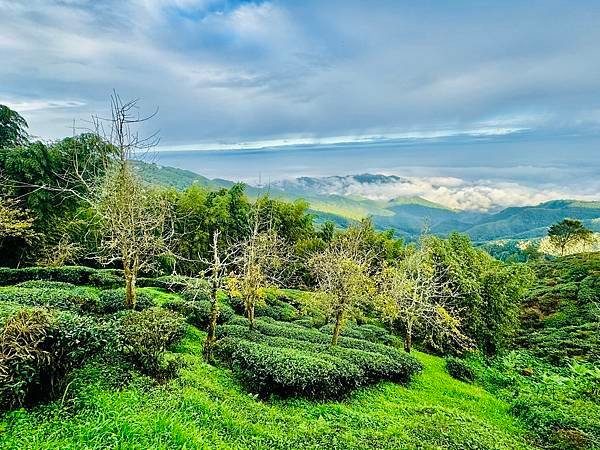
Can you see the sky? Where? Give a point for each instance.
(343, 86)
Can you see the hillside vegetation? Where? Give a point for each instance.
(208, 407)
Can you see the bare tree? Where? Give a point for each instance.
(415, 295)
(216, 272)
(260, 263)
(132, 218)
(342, 274)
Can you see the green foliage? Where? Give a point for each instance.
(372, 333)
(314, 368)
(39, 347)
(146, 335)
(459, 369)
(13, 128)
(568, 232)
(489, 291)
(288, 372)
(197, 312)
(559, 403)
(113, 300)
(69, 274)
(72, 164)
(174, 283)
(560, 317)
(45, 284)
(76, 298)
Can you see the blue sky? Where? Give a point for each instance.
(230, 74)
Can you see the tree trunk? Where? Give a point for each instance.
(408, 338)
(211, 337)
(251, 316)
(130, 294)
(337, 328)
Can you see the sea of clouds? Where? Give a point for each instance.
(451, 192)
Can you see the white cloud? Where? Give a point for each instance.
(455, 193)
(39, 105)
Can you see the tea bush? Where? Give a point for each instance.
(368, 362)
(459, 369)
(289, 372)
(146, 335)
(197, 313)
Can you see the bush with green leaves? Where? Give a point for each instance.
(79, 275)
(270, 327)
(38, 347)
(197, 313)
(113, 300)
(367, 332)
(174, 283)
(75, 298)
(274, 307)
(459, 369)
(45, 284)
(561, 404)
(146, 335)
(368, 362)
(266, 369)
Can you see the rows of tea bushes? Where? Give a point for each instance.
(287, 359)
(62, 318)
(51, 326)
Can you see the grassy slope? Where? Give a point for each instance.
(207, 408)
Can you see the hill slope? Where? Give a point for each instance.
(407, 215)
(207, 408)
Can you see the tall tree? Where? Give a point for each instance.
(259, 263)
(13, 128)
(342, 273)
(568, 232)
(131, 216)
(413, 294)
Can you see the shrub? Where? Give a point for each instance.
(375, 363)
(367, 332)
(306, 322)
(459, 369)
(171, 283)
(146, 335)
(39, 347)
(289, 372)
(44, 284)
(106, 279)
(24, 353)
(274, 308)
(375, 366)
(271, 327)
(198, 313)
(73, 298)
(113, 300)
(78, 275)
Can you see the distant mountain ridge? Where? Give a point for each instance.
(406, 214)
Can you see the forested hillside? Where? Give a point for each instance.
(406, 215)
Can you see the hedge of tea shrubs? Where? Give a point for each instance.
(291, 360)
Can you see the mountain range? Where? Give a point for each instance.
(337, 199)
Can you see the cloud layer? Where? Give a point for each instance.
(227, 72)
(451, 192)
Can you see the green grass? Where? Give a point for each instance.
(160, 296)
(207, 408)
